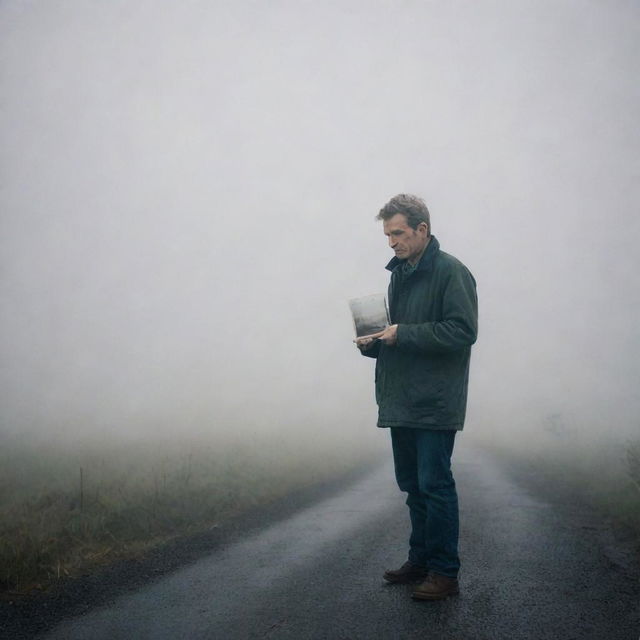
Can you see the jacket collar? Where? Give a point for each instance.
(433, 248)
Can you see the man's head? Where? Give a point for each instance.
(406, 223)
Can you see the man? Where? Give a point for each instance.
(422, 372)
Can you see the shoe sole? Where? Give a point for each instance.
(424, 596)
(415, 580)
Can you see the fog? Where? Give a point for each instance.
(188, 193)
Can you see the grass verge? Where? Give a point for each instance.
(603, 474)
(65, 511)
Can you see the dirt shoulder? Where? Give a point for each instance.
(604, 501)
(27, 616)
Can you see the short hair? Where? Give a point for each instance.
(413, 208)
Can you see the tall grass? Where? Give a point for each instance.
(63, 511)
(602, 470)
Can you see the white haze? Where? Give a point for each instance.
(188, 193)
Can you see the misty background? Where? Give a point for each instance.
(188, 193)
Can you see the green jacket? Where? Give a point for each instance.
(422, 380)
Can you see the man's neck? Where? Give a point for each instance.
(414, 262)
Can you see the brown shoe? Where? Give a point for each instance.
(405, 574)
(436, 587)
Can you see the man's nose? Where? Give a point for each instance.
(392, 241)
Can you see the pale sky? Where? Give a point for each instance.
(188, 193)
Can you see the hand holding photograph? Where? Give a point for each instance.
(370, 314)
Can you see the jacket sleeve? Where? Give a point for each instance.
(459, 325)
(372, 351)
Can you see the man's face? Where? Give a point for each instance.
(407, 243)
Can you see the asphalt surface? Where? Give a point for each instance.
(531, 569)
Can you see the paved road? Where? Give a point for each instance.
(531, 570)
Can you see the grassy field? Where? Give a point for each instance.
(604, 474)
(64, 510)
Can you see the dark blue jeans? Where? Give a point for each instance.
(422, 459)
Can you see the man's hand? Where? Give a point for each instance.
(366, 342)
(389, 336)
